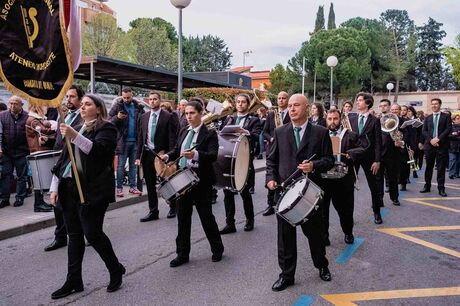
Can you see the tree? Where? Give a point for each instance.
(152, 45)
(206, 53)
(100, 37)
(453, 58)
(278, 79)
(430, 72)
(319, 23)
(160, 24)
(331, 18)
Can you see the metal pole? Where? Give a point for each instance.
(303, 77)
(92, 75)
(332, 100)
(314, 88)
(179, 72)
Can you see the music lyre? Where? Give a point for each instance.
(27, 17)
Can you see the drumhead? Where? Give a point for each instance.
(241, 165)
(294, 192)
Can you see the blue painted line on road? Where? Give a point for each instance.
(384, 212)
(348, 252)
(304, 300)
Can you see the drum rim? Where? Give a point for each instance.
(298, 198)
(44, 153)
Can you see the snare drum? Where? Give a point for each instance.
(232, 165)
(41, 163)
(300, 201)
(178, 184)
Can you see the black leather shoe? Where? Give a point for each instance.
(152, 215)
(396, 203)
(41, 208)
(178, 261)
(228, 229)
(4, 203)
(414, 174)
(327, 242)
(249, 226)
(451, 177)
(425, 189)
(68, 289)
(251, 190)
(171, 214)
(349, 239)
(325, 274)
(216, 257)
(56, 244)
(442, 193)
(378, 218)
(269, 211)
(18, 203)
(282, 283)
(116, 279)
(403, 188)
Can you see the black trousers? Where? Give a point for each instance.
(287, 243)
(377, 201)
(60, 233)
(200, 196)
(150, 177)
(391, 166)
(84, 221)
(342, 194)
(405, 168)
(229, 200)
(271, 198)
(419, 154)
(441, 157)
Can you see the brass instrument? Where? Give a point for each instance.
(411, 161)
(228, 109)
(260, 100)
(346, 124)
(389, 124)
(277, 117)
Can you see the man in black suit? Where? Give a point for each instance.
(249, 125)
(269, 135)
(180, 111)
(369, 129)
(436, 131)
(200, 160)
(294, 143)
(341, 190)
(157, 132)
(73, 118)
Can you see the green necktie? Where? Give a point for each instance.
(68, 120)
(297, 136)
(238, 119)
(361, 124)
(435, 125)
(153, 127)
(188, 143)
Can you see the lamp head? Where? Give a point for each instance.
(332, 61)
(180, 4)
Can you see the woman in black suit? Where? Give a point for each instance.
(94, 146)
(317, 114)
(200, 160)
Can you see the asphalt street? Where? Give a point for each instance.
(413, 258)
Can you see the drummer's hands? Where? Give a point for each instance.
(137, 162)
(42, 140)
(67, 131)
(164, 157)
(375, 168)
(272, 185)
(306, 167)
(243, 131)
(53, 198)
(188, 154)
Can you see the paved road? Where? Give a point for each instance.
(383, 264)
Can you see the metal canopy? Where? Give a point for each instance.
(117, 72)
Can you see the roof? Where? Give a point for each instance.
(118, 72)
(265, 74)
(243, 69)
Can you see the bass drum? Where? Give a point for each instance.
(232, 165)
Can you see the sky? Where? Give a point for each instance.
(274, 30)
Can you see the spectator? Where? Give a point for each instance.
(125, 114)
(40, 137)
(317, 114)
(454, 149)
(3, 107)
(13, 151)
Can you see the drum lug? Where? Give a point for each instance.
(227, 175)
(228, 156)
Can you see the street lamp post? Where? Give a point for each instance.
(390, 87)
(332, 61)
(180, 4)
(303, 77)
(245, 53)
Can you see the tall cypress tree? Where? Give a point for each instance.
(319, 23)
(331, 18)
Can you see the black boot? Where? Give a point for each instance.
(68, 288)
(39, 204)
(116, 279)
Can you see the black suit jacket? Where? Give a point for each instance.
(165, 135)
(284, 158)
(207, 147)
(372, 134)
(444, 130)
(269, 128)
(97, 173)
(321, 121)
(252, 124)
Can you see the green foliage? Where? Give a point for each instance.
(100, 37)
(331, 18)
(159, 23)
(206, 53)
(319, 23)
(453, 58)
(278, 79)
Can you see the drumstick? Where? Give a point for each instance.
(297, 171)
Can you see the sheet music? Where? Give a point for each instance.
(230, 129)
(214, 107)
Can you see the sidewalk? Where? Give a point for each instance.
(15, 221)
